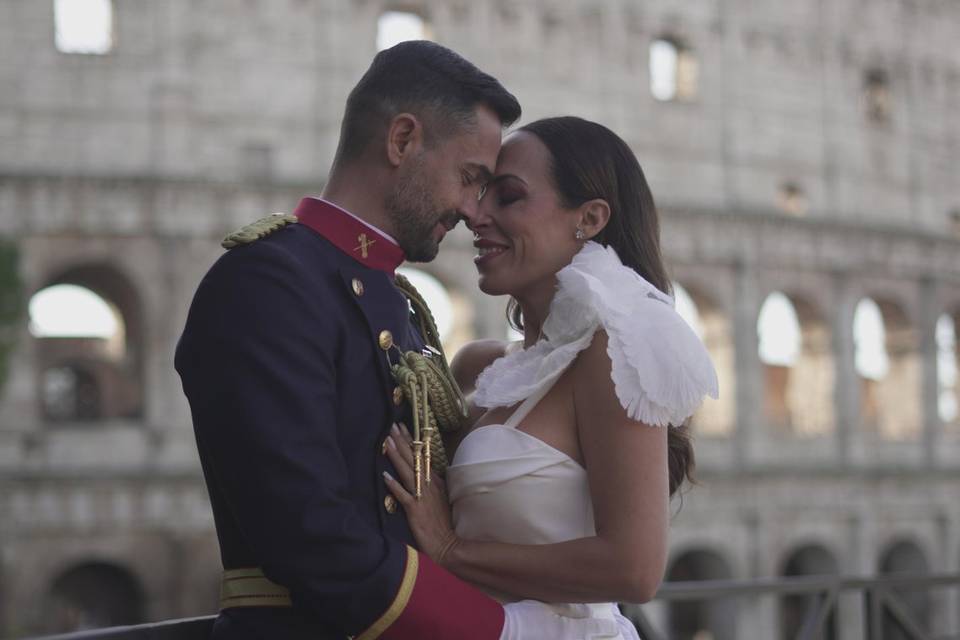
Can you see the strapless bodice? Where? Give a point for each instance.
(506, 485)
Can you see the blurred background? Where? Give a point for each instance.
(804, 159)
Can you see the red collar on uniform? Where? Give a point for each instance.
(359, 240)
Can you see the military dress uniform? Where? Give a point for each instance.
(285, 360)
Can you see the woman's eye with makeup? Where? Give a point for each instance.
(508, 196)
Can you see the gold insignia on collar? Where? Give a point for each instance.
(364, 244)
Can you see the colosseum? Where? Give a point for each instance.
(804, 159)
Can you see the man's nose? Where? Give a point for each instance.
(476, 214)
(469, 209)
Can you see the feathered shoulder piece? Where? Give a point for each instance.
(661, 370)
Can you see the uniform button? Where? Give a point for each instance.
(397, 396)
(386, 340)
(390, 504)
(357, 286)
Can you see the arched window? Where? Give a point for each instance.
(794, 347)
(946, 336)
(394, 27)
(673, 70)
(93, 595)
(870, 338)
(77, 328)
(692, 620)
(714, 417)
(70, 311)
(905, 557)
(83, 26)
(888, 363)
(89, 344)
(812, 560)
(778, 330)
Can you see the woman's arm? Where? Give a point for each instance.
(626, 465)
(466, 367)
(470, 361)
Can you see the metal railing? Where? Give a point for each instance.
(882, 601)
(882, 605)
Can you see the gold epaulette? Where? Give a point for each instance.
(256, 230)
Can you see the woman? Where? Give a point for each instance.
(560, 491)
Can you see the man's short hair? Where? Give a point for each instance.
(428, 80)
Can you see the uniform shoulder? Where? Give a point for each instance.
(257, 229)
(473, 358)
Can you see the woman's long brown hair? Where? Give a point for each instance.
(589, 161)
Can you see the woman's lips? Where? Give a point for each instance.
(487, 251)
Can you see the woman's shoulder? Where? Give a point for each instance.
(473, 358)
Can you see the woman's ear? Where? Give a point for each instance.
(404, 136)
(594, 216)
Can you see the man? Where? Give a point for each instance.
(285, 361)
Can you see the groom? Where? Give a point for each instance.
(285, 362)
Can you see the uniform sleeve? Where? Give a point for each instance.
(257, 364)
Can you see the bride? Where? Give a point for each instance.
(559, 493)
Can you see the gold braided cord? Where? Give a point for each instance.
(434, 396)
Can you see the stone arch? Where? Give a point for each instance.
(715, 417)
(114, 373)
(890, 395)
(904, 556)
(806, 560)
(689, 620)
(93, 594)
(798, 381)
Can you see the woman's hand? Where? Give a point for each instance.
(429, 517)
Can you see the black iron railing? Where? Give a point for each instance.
(882, 606)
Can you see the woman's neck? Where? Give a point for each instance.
(535, 305)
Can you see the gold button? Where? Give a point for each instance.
(397, 396)
(357, 286)
(383, 448)
(390, 504)
(386, 340)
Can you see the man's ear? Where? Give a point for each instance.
(594, 216)
(404, 137)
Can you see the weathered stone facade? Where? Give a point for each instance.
(121, 172)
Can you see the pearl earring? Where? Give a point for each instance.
(579, 235)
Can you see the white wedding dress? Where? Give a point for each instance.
(508, 486)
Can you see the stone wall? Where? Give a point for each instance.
(207, 115)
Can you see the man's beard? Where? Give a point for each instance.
(415, 215)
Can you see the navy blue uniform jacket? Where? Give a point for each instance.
(292, 399)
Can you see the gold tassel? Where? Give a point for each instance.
(435, 399)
